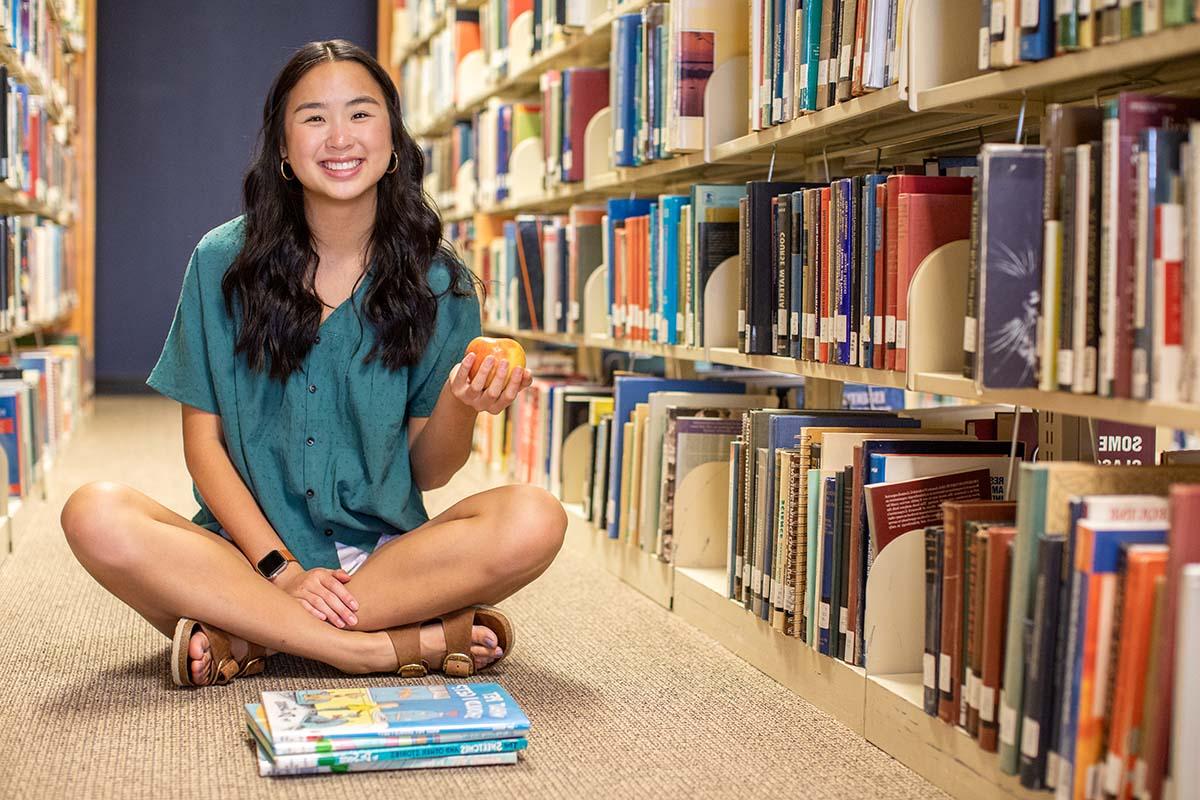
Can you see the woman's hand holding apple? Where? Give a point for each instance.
(490, 375)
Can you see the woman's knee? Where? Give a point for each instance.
(93, 518)
(533, 524)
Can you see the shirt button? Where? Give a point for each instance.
(317, 340)
(310, 441)
(312, 388)
(309, 493)
(329, 532)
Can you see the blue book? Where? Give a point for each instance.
(619, 210)
(1037, 41)
(628, 391)
(337, 756)
(672, 213)
(11, 429)
(825, 611)
(777, 60)
(503, 148)
(796, 300)
(872, 241)
(412, 709)
(654, 277)
(1010, 264)
(845, 269)
(625, 89)
(811, 50)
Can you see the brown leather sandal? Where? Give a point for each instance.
(222, 666)
(457, 663)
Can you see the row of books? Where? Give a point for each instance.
(444, 155)
(413, 20)
(809, 56)
(820, 272)
(428, 79)
(1034, 30)
(35, 157)
(818, 500)
(414, 726)
(35, 273)
(1096, 292)
(36, 36)
(536, 267)
(499, 128)
(40, 405)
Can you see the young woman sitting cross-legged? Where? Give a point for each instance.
(316, 354)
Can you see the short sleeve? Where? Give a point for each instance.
(183, 372)
(457, 325)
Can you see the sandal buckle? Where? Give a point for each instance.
(458, 665)
(418, 670)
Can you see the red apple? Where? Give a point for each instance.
(500, 349)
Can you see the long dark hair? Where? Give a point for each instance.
(273, 277)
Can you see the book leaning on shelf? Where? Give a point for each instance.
(401, 727)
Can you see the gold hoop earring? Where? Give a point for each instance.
(392, 168)
(282, 164)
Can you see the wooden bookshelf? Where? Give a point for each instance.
(1141, 412)
(1159, 59)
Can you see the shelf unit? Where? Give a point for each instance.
(942, 103)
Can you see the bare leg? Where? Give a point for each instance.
(129, 543)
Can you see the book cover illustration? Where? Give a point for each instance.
(393, 710)
(697, 51)
(1010, 276)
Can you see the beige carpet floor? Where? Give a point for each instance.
(626, 700)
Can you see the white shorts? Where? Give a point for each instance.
(349, 556)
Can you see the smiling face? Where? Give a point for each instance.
(337, 135)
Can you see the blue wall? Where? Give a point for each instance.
(180, 89)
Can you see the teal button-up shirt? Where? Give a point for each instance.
(326, 453)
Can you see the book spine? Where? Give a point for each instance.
(1038, 706)
(1145, 176)
(1066, 296)
(743, 320)
(1087, 332)
(796, 280)
(971, 319)
(783, 267)
(933, 622)
(1109, 226)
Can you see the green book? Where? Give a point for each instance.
(1068, 26)
(1177, 12)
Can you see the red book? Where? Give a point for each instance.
(585, 91)
(925, 223)
(896, 186)
(995, 615)
(950, 669)
(515, 9)
(1183, 542)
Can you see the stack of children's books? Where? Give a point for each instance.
(316, 731)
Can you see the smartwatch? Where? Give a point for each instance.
(273, 563)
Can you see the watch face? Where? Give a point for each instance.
(271, 563)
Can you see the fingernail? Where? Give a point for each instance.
(353, 620)
(353, 605)
(499, 652)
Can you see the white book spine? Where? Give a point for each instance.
(1185, 722)
(1051, 264)
(1108, 258)
(1189, 157)
(1084, 379)
(1141, 364)
(1168, 325)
